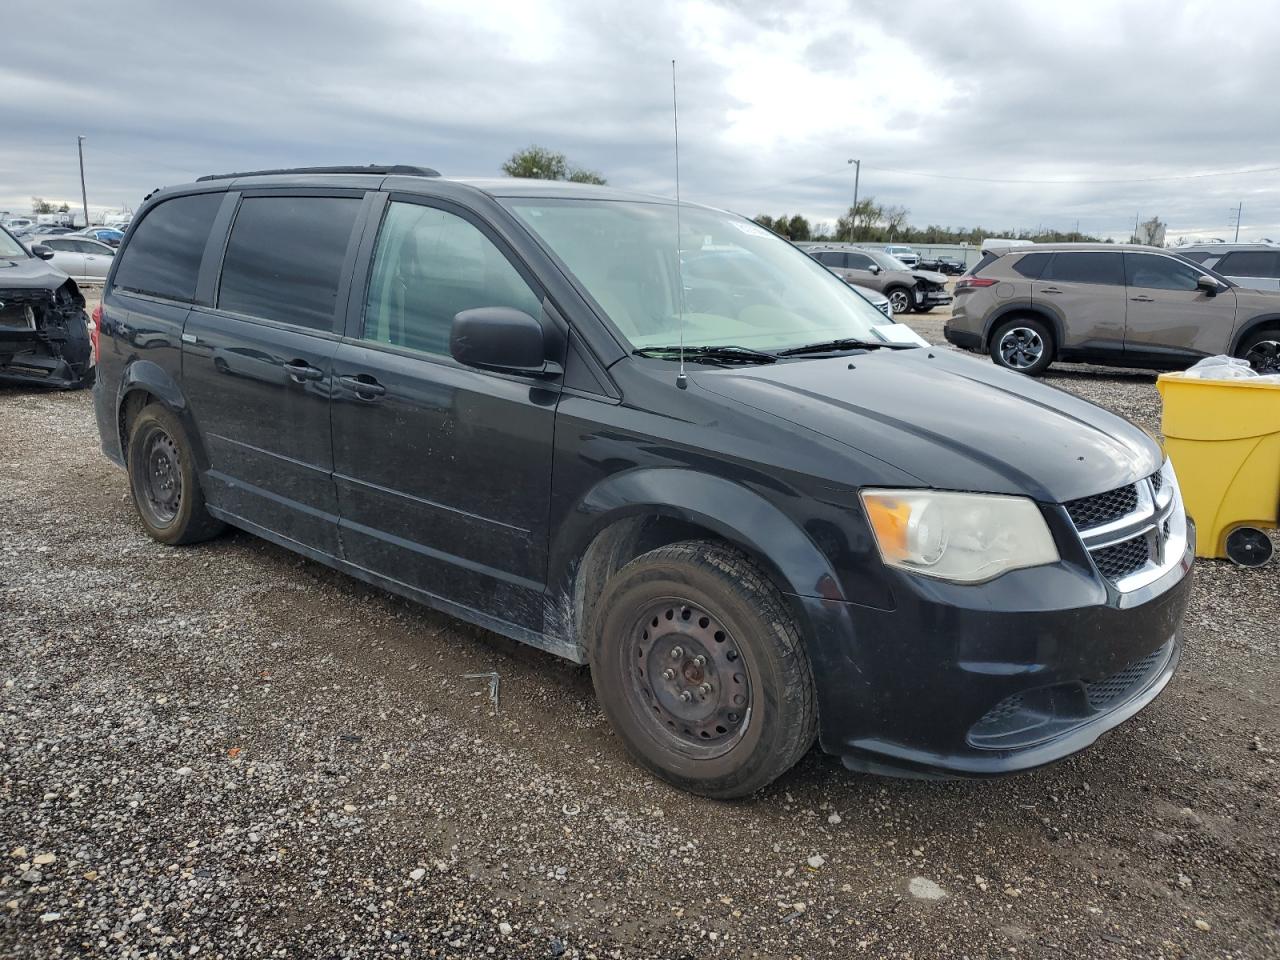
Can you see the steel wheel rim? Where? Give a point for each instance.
(899, 301)
(1264, 356)
(686, 675)
(162, 478)
(1021, 347)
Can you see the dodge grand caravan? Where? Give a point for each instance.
(687, 459)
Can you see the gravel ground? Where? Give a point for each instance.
(229, 751)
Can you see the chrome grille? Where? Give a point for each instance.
(1123, 558)
(1103, 508)
(1135, 533)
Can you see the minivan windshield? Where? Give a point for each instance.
(743, 285)
(10, 247)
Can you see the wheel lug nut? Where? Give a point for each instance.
(700, 660)
(705, 689)
(677, 653)
(668, 674)
(686, 696)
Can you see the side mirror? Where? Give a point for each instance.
(875, 269)
(500, 338)
(1208, 284)
(41, 251)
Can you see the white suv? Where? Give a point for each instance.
(905, 254)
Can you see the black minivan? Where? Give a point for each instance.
(672, 447)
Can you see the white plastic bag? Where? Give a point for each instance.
(1220, 367)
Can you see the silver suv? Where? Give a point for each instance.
(1109, 303)
(1255, 265)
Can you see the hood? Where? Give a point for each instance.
(929, 276)
(953, 422)
(29, 273)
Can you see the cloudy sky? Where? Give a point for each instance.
(1007, 115)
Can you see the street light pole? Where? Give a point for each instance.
(84, 196)
(853, 215)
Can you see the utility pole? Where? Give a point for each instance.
(84, 196)
(1239, 213)
(853, 215)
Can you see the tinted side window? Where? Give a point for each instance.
(1032, 264)
(830, 258)
(162, 257)
(1197, 257)
(858, 261)
(284, 259)
(1085, 268)
(1159, 273)
(1251, 263)
(428, 266)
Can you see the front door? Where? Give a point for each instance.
(1171, 320)
(443, 471)
(1086, 290)
(257, 367)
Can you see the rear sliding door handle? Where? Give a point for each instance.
(363, 386)
(301, 371)
(1143, 299)
(1050, 290)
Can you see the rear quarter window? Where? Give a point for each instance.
(162, 258)
(1031, 265)
(985, 261)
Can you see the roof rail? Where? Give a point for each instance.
(396, 169)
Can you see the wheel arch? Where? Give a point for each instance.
(1253, 325)
(144, 382)
(632, 513)
(1024, 308)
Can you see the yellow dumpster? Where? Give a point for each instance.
(1223, 437)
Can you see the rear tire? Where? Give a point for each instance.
(163, 480)
(1262, 350)
(701, 670)
(1023, 345)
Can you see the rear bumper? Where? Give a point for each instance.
(962, 338)
(991, 680)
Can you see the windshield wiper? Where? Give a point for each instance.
(830, 346)
(721, 354)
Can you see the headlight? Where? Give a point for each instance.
(963, 537)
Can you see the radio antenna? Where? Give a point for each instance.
(681, 380)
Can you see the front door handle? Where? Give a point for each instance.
(1050, 290)
(302, 371)
(1143, 299)
(363, 386)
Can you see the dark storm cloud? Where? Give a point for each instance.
(774, 99)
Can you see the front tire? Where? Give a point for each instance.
(1262, 350)
(901, 300)
(1023, 345)
(701, 670)
(163, 480)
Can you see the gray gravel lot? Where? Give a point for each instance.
(229, 751)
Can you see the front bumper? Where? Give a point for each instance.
(932, 298)
(982, 681)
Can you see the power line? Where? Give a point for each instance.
(949, 176)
